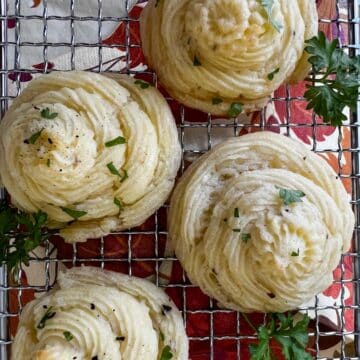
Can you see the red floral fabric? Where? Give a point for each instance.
(133, 253)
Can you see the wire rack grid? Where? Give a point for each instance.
(10, 292)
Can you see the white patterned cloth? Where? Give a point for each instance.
(59, 31)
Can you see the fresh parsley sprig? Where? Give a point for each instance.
(166, 353)
(336, 81)
(15, 244)
(293, 338)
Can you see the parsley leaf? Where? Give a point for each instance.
(49, 314)
(68, 335)
(236, 213)
(32, 139)
(272, 74)
(268, 6)
(119, 204)
(116, 172)
(217, 101)
(75, 214)
(166, 353)
(290, 196)
(336, 85)
(245, 237)
(117, 141)
(142, 84)
(15, 245)
(46, 114)
(294, 253)
(235, 109)
(292, 337)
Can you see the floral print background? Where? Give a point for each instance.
(149, 240)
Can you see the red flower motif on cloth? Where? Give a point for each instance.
(36, 3)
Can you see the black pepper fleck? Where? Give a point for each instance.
(271, 295)
(166, 309)
(94, 357)
(26, 141)
(45, 306)
(50, 141)
(92, 306)
(120, 338)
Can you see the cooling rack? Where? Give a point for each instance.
(205, 129)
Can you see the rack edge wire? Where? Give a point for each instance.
(354, 33)
(354, 38)
(3, 104)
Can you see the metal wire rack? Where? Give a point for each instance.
(156, 232)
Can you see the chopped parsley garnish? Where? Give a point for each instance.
(142, 84)
(268, 6)
(166, 353)
(294, 253)
(336, 85)
(117, 141)
(245, 237)
(293, 338)
(157, 3)
(217, 100)
(290, 196)
(119, 204)
(235, 109)
(32, 139)
(75, 214)
(124, 176)
(116, 172)
(272, 74)
(49, 314)
(236, 213)
(68, 335)
(46, 114)
(48, 163)
(162, 337)
(196, 61)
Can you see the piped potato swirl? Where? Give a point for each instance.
(244, 234)
(210, 54)
(100, 314)
(95, 153)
